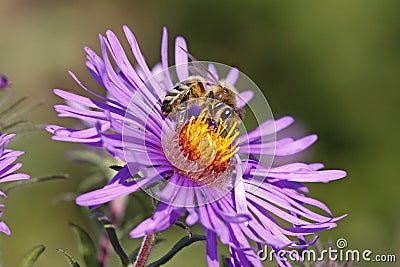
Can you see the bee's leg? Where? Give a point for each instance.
(181, 118)
(185, 96)
(181, 114)
(227, 117)
(226, 114)
(209, 104)
(181, 109)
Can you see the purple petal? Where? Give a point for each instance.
(316, 166)
(174, 191)
(244, 98)
(219, 226)
(115, 190)
(14, 177)
(213, 70)
(268, 193)
(235, 217)
(203, 213)
(75, 98)
(111, 80)
(245, 255)
(277, 211)
(193, 216)
(232, 77)
(122, 60)
(267, 128)
(282, 147)
(240, 193)
(296, 146)
(309, 176)
(181, 58)
(212, 249)
(164, 216)
(4, 228)
(136, 51)
(164, 58)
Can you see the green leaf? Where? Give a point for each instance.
(20, 127)
(86, 156)
(12, 108)
(97, 162)
(25, 110)
(182, 243)
(18, 109)
(112, 235)
(70, 259)
(5, 99)
(86, 246)
(34, 180)
(32, 256)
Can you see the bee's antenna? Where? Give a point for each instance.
(192, 58)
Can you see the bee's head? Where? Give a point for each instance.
(224, 94)
(227, 95)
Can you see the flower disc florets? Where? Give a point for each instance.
(202, 146)
(211, 144)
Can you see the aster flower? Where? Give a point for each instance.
(197, 169)
(7, 169)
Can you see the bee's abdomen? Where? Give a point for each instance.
(181, 93)
(171, 99)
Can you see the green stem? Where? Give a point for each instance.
(182, 243)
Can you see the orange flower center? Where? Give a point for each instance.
(208, 144)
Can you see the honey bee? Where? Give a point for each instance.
(224, 103)
(223, 108)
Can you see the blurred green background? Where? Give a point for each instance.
(333, 65)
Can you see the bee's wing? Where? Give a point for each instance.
(198, 68)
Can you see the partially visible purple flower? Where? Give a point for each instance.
(268, 205)
(3, 81)
(7, 169)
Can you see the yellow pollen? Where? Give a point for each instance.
(207, 150)
(210, 145)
